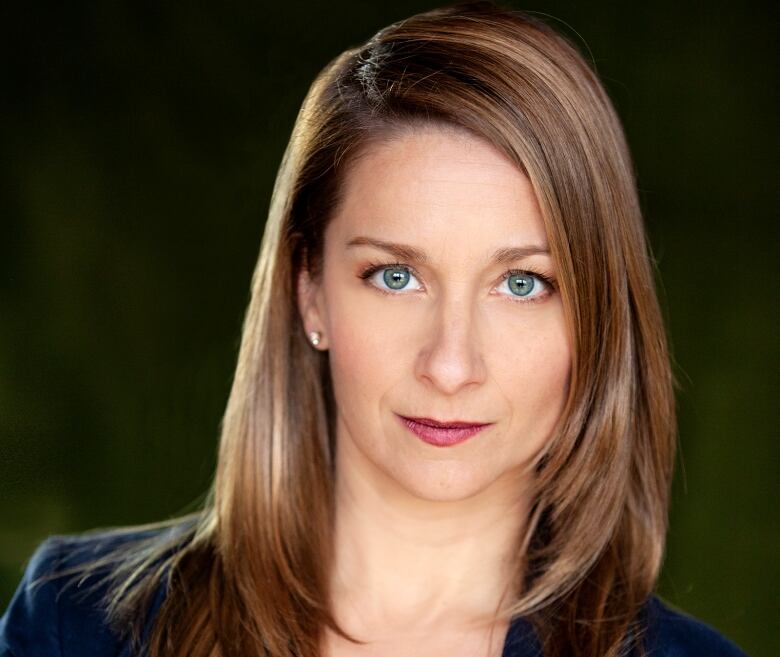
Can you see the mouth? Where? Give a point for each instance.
(442, 433)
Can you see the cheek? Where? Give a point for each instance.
(362, 339)
(533, 372)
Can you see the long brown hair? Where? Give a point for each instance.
(248, 574)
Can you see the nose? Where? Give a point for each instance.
(451, 357)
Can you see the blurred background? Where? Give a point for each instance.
(138, 145)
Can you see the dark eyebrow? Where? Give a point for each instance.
(406, 252)
(512, 253)
(401, 251)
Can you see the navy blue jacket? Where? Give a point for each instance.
(41, 623)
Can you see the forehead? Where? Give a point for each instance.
(441, 187)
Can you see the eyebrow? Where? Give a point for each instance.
(411, 253)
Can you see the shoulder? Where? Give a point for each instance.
(673, 633)
(666, 633)
(57, 607)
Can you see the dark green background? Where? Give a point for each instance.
(138, 146)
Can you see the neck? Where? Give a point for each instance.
(405, 562)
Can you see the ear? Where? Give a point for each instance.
(311, 307)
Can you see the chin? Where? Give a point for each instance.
(444, 482)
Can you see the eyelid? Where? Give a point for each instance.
(548, 281)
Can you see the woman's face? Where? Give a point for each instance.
(448, 337)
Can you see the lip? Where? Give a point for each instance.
(442, 434)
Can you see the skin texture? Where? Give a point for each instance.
(425, 535)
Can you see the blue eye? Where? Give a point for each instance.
(394, 276)
(524, 284)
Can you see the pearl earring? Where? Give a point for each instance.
(315, 337)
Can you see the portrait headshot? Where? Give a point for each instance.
(418, 330)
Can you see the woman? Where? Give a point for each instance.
(451, 428)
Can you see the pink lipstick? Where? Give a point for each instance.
(442, 434)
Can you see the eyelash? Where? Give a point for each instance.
(374, 267)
